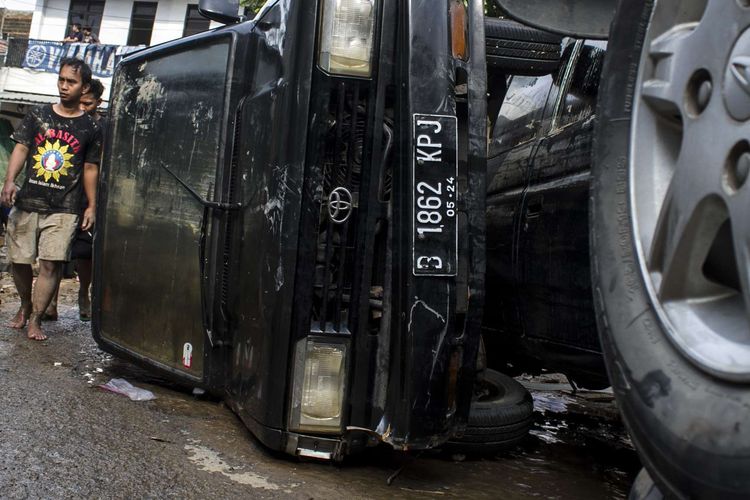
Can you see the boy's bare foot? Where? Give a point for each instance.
(84, 308)
(35, 327)
(20, 319)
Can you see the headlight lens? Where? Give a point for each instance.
(318, 406)
(346, 37)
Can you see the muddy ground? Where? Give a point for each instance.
(61, 437)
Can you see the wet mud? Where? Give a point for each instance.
(61, 436)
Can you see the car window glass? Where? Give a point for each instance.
(520, 115)
(569, 48)
(580, 100)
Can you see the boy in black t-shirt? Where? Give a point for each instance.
(81, 246)
(61, 146)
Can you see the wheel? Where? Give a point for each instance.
(513, 48)
(670, 240)
(498, 419)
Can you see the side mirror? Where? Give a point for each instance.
(576, 18)
(223, 11)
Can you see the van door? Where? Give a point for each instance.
(558, 307)
(514, 138)
(163, 153)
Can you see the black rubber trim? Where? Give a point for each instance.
(501, 43)
(524, 67)
(524, 54)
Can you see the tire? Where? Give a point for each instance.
(513, 48)
(499, 420)
(685, 411)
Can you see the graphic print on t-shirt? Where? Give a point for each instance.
(53, 158)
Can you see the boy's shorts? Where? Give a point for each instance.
(33, 235)
(81, 247)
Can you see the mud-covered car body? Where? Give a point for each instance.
(307, 245)
(540, 311)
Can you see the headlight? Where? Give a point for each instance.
(319, 382)
(346, 33)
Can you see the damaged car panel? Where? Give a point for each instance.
(297, 226)
(539, 284)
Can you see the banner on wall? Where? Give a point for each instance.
(44, 55)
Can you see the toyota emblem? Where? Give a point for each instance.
(340, 205)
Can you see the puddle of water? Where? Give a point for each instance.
(579, 419)
(209, 461)
(554, 402)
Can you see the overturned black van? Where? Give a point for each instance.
(291, 216)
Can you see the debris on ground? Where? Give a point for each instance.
(122, 386)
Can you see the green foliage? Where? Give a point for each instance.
(491, 9)
(253, 5)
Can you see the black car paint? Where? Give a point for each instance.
(259, 245)
(540, 311)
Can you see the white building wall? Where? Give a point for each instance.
(116, 22)
(170, 21)
(36, 18)
(50, 20)
(25, 5)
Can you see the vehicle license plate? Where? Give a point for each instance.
(435, 203)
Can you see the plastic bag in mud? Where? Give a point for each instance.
(122, 386)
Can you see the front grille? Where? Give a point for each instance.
(338, 217)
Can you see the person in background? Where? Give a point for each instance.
(91, 100)
(82, 241)
(75, 35)
(89, 36)
(60, 146)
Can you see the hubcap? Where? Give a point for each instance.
(737, 79)
(690, 160)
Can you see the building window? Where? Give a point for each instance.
(194, 22)
(142, 23)
(87, 13)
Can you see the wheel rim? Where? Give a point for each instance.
(690, 179)
(486, 391)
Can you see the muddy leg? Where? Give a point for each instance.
(46, 284)
(50, 314)
(22, 277)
